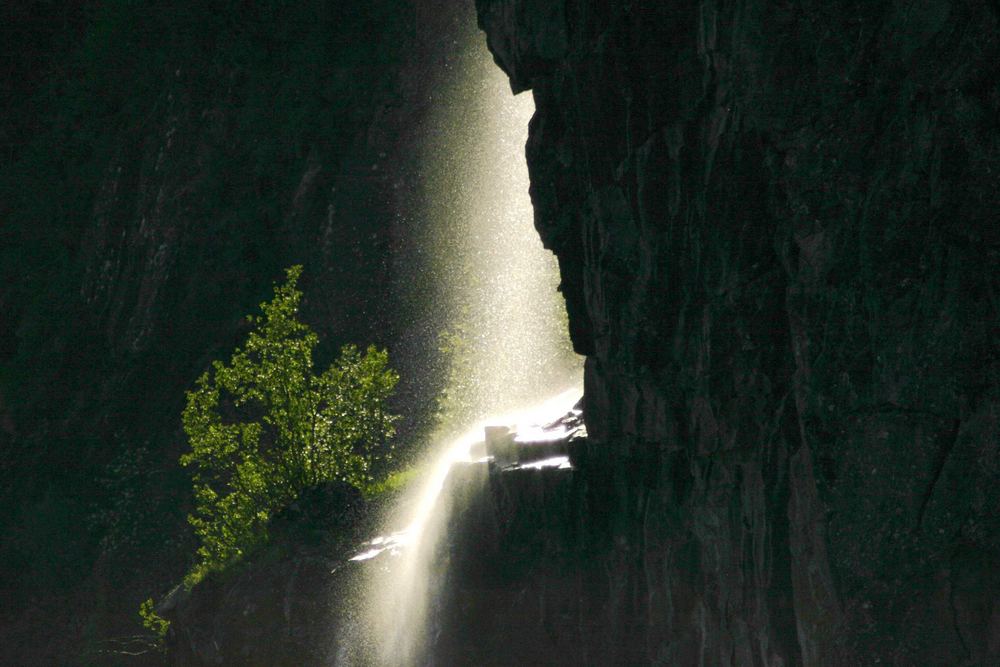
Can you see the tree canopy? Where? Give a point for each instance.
(265, 426)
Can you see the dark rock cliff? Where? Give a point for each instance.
(159, 165)
(292, 604)
(777, 230)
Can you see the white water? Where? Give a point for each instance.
(510, 351)
(406, 586)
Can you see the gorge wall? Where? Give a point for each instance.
(776, 228)
(776, 225)
(159, 166)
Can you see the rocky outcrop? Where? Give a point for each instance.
(288, 603)
(776, 227)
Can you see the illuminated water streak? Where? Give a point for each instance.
(497, 283)
(406, 587)
(507, 322)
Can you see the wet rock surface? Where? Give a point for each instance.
(776, 228)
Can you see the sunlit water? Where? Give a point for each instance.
(410, 572)
(507, 332)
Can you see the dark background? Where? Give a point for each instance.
(160, 164)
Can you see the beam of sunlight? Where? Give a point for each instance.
(506, 334)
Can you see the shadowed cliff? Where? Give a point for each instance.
(160, 165)
(776, 226)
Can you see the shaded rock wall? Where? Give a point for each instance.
(159, 166)
(291, 603)
(776, 226)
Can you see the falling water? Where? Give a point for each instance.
(507, 322)
(506, 335)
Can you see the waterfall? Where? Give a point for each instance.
(506, 333)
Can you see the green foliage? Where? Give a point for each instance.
(153, 622)
(246, 91)
(265, 427)
(394, 482)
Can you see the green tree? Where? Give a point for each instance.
(265, 427)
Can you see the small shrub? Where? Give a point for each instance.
(153, 622)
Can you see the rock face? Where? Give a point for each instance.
(159, 167)
(287, 605)
(776, 227)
